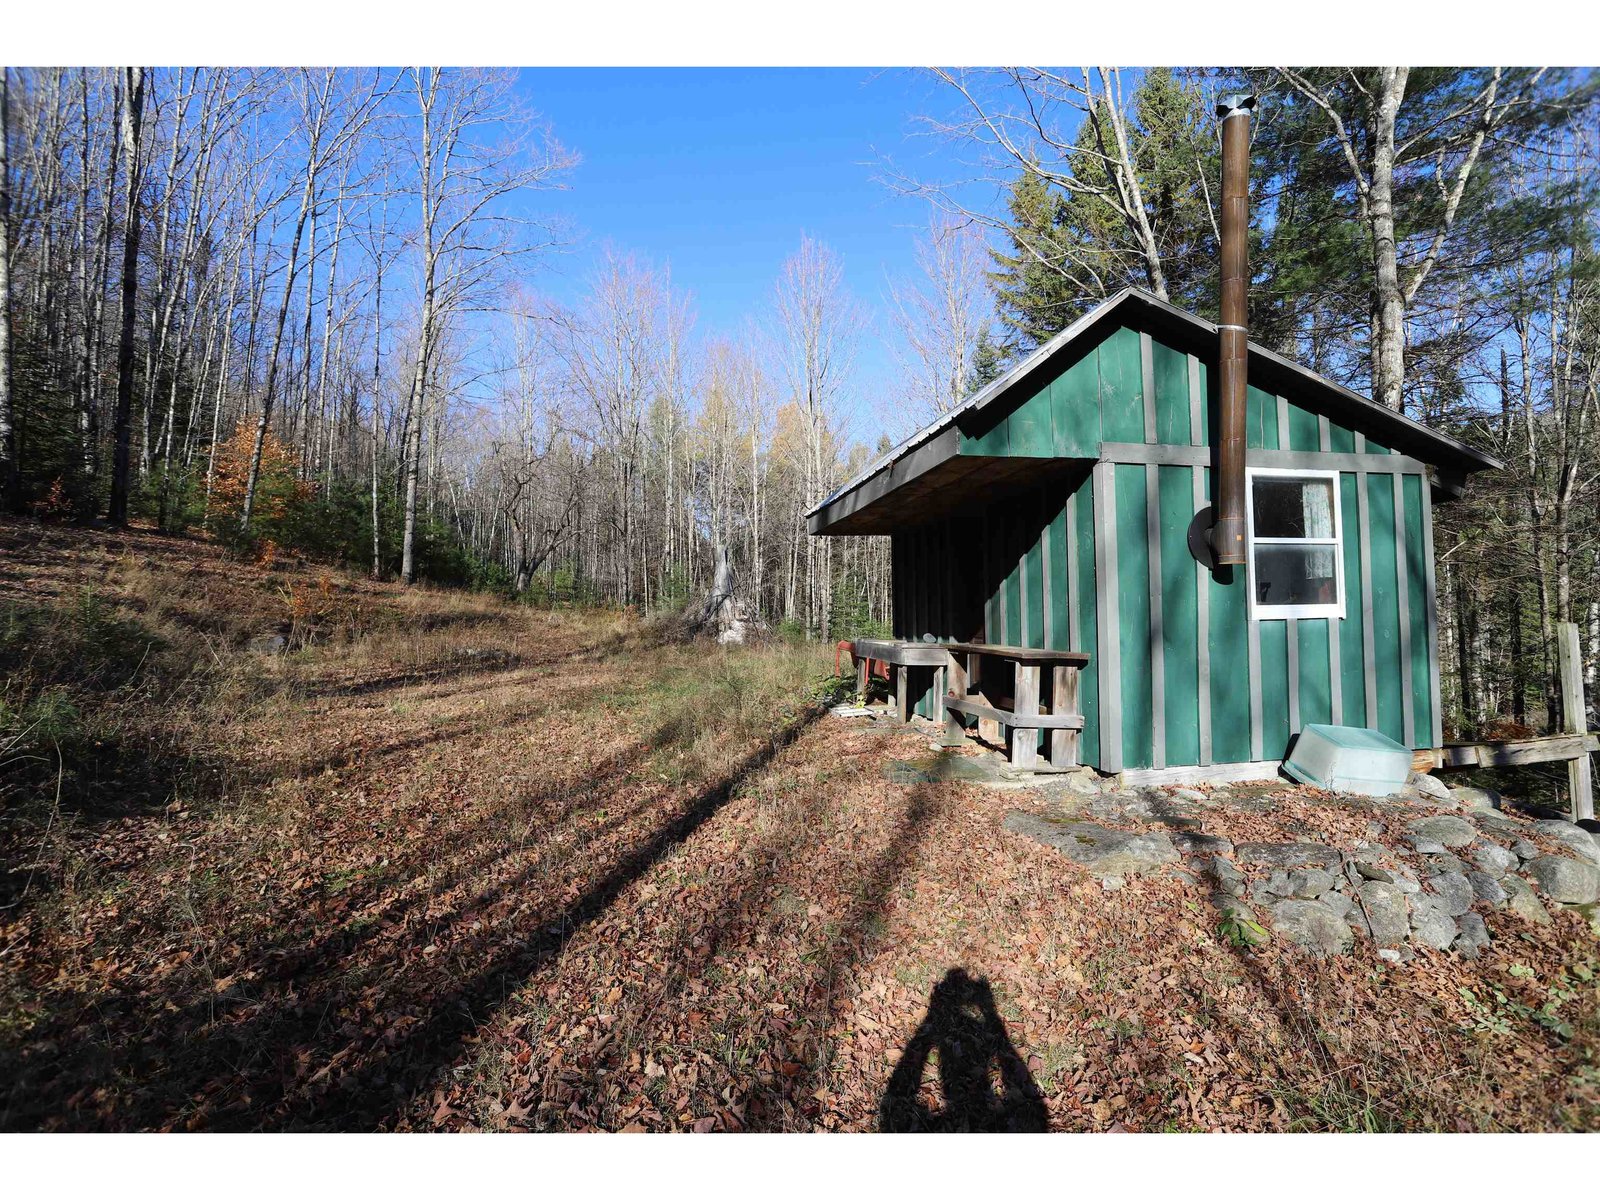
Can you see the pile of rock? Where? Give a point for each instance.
(1430, 887)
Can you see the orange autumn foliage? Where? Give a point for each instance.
(279, 490)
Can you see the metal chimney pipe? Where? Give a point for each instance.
(1228, 533)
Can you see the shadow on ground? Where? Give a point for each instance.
(344, 1028)
(984, 1085)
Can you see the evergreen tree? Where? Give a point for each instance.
(1070, 248)
(1034, 296)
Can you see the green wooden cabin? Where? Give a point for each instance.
(1053, 510)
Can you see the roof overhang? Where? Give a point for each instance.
(935, 477)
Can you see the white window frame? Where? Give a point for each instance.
(1283, 612)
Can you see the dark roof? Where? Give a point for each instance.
(923, 462)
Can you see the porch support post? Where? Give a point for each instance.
(1025, 703)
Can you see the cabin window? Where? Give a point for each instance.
(1296, 560)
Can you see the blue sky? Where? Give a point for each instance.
(717, 172)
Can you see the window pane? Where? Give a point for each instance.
(1296, 575)
(1292, 508)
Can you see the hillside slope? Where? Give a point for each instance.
(441, 862)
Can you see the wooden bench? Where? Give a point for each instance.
(900, 656)
(967, 696)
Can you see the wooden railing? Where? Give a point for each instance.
(968, 695)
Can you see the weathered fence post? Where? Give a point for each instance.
(1580, 780)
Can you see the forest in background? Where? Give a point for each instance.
(301, 308)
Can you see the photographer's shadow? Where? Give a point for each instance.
(985, 1085)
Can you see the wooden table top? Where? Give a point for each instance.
(1020, 653)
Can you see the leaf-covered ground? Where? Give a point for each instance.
(453, 864)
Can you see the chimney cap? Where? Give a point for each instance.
(1238, 104)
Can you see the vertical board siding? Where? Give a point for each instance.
(1058, 575)
(1033, 585)
(1074, 399)
(1316, 674)
(1202, 596)
(1260, 419)
(1274, 688)
(1108, 614)
(1385, 607)
(1178, 675)
(1179, 649)
(1085, 616)
(1121, 388)
(1170, 372)
(1228, 649)
(1131, 593)
(1417, 556)
(1431, 616)
(1305, 431)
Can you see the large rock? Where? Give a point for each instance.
(1473, 937)
(1497, 823)
(1486, 889)
(1314, 926)
(1105, 852)
(1579, 841)
(1287, 854)
(1431, 924)
(1338, 902)
(1523, 900)
(1494, 861)
(1229, 879)
(1442, 863)
(1189, 843)
(1480, 799)
(1566, 879)
(1430, 787)
(1445, 831)
(1387, 913)
(1309, 882)
(1373, 871)
(1454, 891)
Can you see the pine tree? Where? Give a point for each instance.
(1034, 296)
(1070, 248)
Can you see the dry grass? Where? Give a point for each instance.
(448, 863)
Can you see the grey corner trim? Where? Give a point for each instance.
(1157, 638)
(1202, 579)
(1254, 650)
(1296, 460)
(1074, 619)
(1108, 625)
(1283, 423)
(1147, 384)
(1432, 597)
(1291, 640)
(1336, 666)
(1197, 402)
(1402, 574)
(1324, 434)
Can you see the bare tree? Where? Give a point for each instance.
(818, 324)
(1364, 116)
(474, 147)
(132, 125)
(10, 467)
(940, 317)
